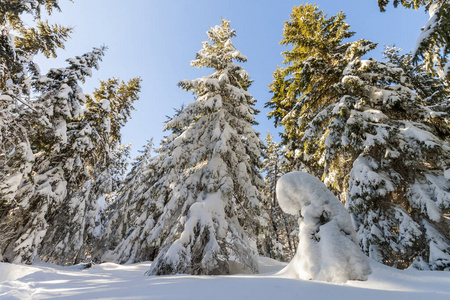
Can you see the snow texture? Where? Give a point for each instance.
(328, 249)
(112, 281)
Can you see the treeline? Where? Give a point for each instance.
(203, 201)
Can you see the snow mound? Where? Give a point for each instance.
(328, 249)
(11, 272)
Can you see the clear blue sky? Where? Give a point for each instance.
(156, 40)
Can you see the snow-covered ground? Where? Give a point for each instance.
(112, 281)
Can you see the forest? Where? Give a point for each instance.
(204, 200)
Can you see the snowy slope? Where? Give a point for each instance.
(112, 281)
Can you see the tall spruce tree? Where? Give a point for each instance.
(304, 87)
(75, 226)
(59, 101)
(19, 44)
(378, 137)
(33, 125)
(394, 122)
(207, 190)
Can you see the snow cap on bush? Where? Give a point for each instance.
(327, 249)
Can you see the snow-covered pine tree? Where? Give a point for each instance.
(122, 239)
(19, 44)
(59, 100)
(313, 65)
(33, 125)
(379, 140)
(101, 162)
(281, 235)
(208, 181)
(433, 44)
(62, 244)
(393, 127)
(46, 142)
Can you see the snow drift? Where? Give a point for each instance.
(111, 281)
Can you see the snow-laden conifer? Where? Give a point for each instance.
(59, 101)
(96, 162)
(394, 130)
(378, 138)
(206, 196)
(312, 66)
(124, 238)
(19, 44)
(56, 156)
(40, 164)
(280, 236)
(432, 45)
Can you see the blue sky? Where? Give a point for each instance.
(156, 40)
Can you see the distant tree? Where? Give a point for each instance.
(129, 234)
(207, 191)
(281, 233)
(123, 239)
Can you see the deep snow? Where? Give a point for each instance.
(112, 281)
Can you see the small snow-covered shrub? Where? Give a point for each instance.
(328, 249)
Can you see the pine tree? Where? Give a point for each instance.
(74, 228)
(53, 173)
(396, 128)
(18, 45)
(313, 65)
(123, 239)
(34, 125)
(432, 46)
(52, 147)
(281, 234)
(206, 195)
(380, 143)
